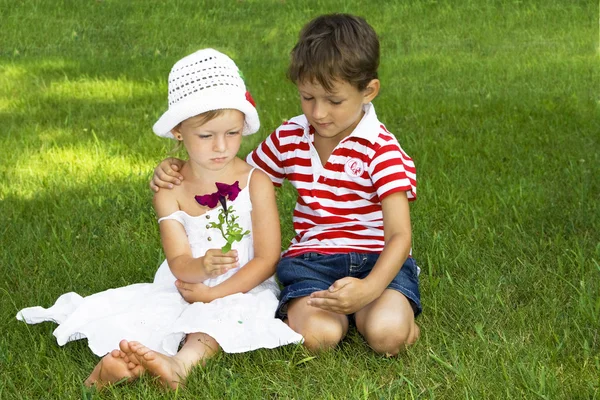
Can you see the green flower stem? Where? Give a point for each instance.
(234, 231)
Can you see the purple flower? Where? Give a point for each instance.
(224, 192)
(208, 200)
(227, 223)
(231, 191)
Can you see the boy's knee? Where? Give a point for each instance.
(322, 338)
(320, 333)
(391, 340)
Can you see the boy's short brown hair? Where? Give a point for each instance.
(333, 47)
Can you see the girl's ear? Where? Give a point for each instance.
(371, 91)
(177, 132)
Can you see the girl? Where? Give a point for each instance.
(221, 248)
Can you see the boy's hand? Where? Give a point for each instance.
(216, 263)
(345, 296)
(194, 292)
(166, 174)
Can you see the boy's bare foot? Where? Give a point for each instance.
(112, 369)
(414, 334)
(170, 371)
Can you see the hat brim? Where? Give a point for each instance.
(193, 106)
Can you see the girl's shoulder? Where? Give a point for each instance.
(261, 186)
(257, 177)
(165, 201)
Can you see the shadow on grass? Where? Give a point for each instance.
(85, 239)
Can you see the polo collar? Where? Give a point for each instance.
(368, 127)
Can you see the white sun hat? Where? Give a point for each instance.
(204, 81)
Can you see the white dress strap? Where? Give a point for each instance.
(249, 176)
(175, 216)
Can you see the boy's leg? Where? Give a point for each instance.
(301, 276)
(388, 323)
(321, 329)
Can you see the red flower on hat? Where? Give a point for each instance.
(250, 99)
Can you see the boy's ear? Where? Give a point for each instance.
(371, 91)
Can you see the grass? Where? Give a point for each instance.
(496, 101)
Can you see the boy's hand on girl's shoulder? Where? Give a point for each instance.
(345, 296)
(166, 174)
(194, 292)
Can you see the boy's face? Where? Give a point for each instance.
(335, 114)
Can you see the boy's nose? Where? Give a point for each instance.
(319, 111)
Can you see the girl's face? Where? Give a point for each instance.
(213, 144)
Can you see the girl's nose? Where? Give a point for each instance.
(219, 143)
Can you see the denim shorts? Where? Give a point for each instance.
(312, 272)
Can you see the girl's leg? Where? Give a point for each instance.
(321, 329)
(113, 368)
(388, 323)
(172, 371)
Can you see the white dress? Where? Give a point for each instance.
(156, 315)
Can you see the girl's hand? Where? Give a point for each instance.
(194, 292)
(216, 263)
(166, 174)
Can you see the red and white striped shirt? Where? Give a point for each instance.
(338, 209)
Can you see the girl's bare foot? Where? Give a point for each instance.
(112, 369)
(130, 357)
(170, 371)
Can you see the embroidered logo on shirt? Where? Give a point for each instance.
(354, 167)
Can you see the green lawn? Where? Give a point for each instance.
(498, 103)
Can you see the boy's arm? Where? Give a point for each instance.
(348, 295)
(177, 248)
(166, 174)
(267, 243)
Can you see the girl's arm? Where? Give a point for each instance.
(348, 295)
(177, 247)
(267, 244)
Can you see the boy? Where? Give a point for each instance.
(351, 255)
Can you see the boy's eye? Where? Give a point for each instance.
(204, 136)
(336, 103)
(233, 133)
(305, 98)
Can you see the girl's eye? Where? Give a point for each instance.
(335, 103)
(233, 133)
(204, 136)
(307, 98)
